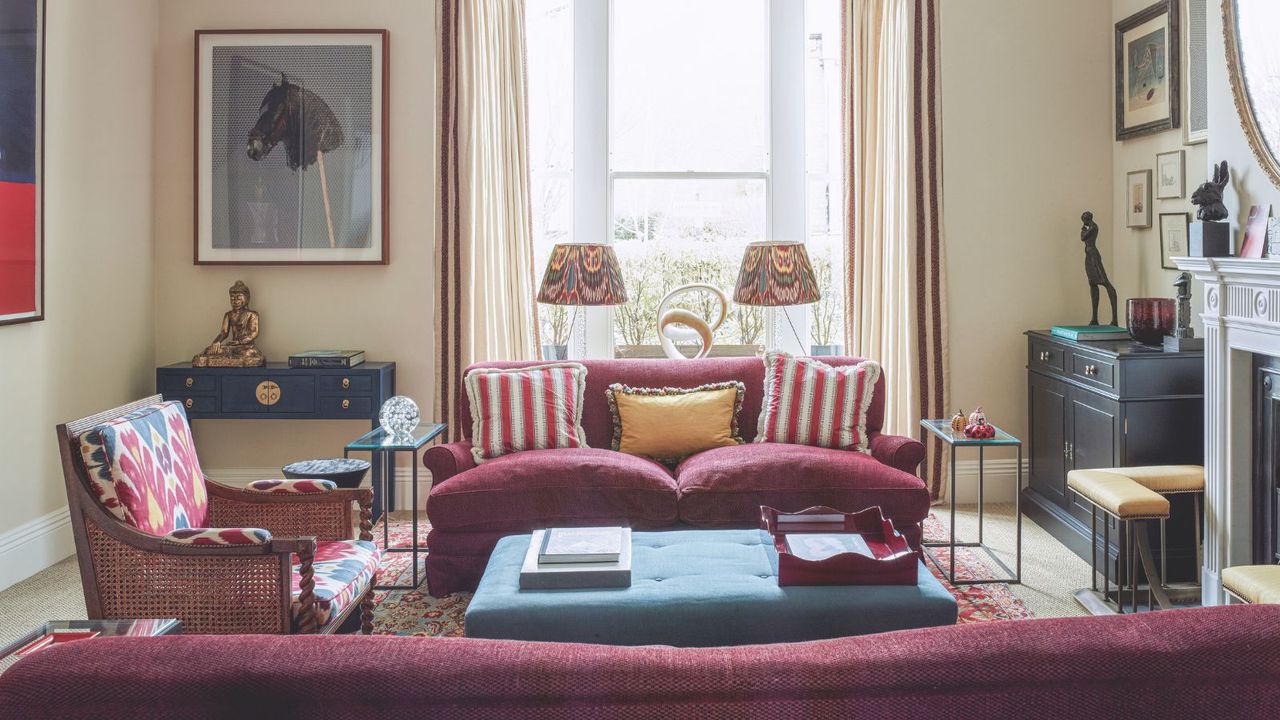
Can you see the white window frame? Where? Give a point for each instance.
(593, 178)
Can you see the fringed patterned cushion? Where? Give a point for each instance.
(143, 469)
(291, 487)
(209, 537)
(533, 408)
(808, 402)
(343, 570)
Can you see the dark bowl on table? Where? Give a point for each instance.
(345, 472)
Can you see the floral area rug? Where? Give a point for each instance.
(415, 612)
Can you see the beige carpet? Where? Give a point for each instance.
(1050, 573)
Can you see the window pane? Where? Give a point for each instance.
(669, 233)
(549, 44)
(824, 181)
(689, 87)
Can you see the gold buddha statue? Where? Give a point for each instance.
(234, 346)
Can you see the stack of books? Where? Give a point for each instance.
(590, 557)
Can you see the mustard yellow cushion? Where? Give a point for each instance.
(670, 424)
(1118, 495)
(1254, 583)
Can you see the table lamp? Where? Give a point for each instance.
(582, 274)
(777, 273)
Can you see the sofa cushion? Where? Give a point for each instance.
(143, 469)
(726, 486)
(540, 488)
(533, 408)
(670, 424)
(343, 571)
(809, 402)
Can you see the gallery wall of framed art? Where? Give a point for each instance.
(21, 161)
(291, 147)
(1147, 72)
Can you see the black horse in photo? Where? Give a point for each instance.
(307, 127)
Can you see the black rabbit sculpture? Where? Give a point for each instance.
(1208, 197)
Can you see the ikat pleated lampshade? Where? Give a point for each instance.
(582, 274)
(776, 273)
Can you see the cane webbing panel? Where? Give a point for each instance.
(209, 595)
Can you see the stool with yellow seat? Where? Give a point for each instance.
(1170, 480)
(1123, 493)
(1254, 584)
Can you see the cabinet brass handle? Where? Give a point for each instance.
(346, 383)
(267, 393)
(188, 403)
(1044, 356)
(1091, 370)
(346, 404)
(191, 381)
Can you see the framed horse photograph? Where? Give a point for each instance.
(291, 148)
(21, 161)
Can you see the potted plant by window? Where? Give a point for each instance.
(555, 323)
(824, 314)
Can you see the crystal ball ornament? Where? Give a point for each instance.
(399, 415)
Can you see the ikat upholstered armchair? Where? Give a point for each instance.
(156, 539)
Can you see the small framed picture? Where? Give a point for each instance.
(1138, 199)
(1148, 82)
(1171, 175)
(1173, 238)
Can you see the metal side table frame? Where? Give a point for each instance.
(380, 441)
(941, 429)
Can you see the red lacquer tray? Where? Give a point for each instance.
(894, 562)
(55, 638)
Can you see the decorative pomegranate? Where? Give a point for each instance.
(958, 421)
(978, 428)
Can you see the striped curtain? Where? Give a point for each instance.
(484, 232)
(895, 282)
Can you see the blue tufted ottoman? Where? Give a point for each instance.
(696, 588)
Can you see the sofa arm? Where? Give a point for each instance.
(896, 451)
(445, 461)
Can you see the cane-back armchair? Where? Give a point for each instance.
(155, 538)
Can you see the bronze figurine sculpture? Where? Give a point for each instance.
(1183, 337)
(234, 346)
(1093, 268)
(1208, 197)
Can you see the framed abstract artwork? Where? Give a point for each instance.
(291, 147)
(1147, 78)
(1138, 199)
(1174, 229)
(1171, 175)
(21, 161)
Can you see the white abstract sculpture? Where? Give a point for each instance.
(680, 325)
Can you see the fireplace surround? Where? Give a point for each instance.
(1241, 313)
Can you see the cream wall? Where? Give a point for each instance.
(1027, 142)
(385, 310)
(94, 349)
(1135, 268)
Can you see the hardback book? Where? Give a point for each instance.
(786, 518)
(327, 359)
(581, 545)
(1085, 333)
(820, 546)
(560, 576)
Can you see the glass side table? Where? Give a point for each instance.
(56, 631)
(941, 429)
(381, 442)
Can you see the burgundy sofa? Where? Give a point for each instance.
(1219, 663)
(472, 506)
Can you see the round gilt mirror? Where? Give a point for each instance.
(1253, 64)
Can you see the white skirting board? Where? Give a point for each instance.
(999, 480)
(34, 546)
(240, 477)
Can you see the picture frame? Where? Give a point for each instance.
(1138, 199)
(1194, 29)
(1174, 238)
(22, 168)
(1147, 73)
(291, 147)
(1171, 175)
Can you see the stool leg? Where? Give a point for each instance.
(1149, 568)
(1164, 552)
(1106, 560)
(1093, 547)
(1130, 566)
(1195, 498)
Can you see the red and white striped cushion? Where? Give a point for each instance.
(807, 402)
(533, 408)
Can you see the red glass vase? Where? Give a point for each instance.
(1150, 319)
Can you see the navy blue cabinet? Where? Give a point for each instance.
(278, 392)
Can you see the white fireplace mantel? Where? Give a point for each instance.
(1241, 317)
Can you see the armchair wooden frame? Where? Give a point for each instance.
(235, 589)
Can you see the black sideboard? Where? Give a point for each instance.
(1110, 404)
(278, 392)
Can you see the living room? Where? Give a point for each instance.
(988, 287)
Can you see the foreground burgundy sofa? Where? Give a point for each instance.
(472, 506)
(1219, 663)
